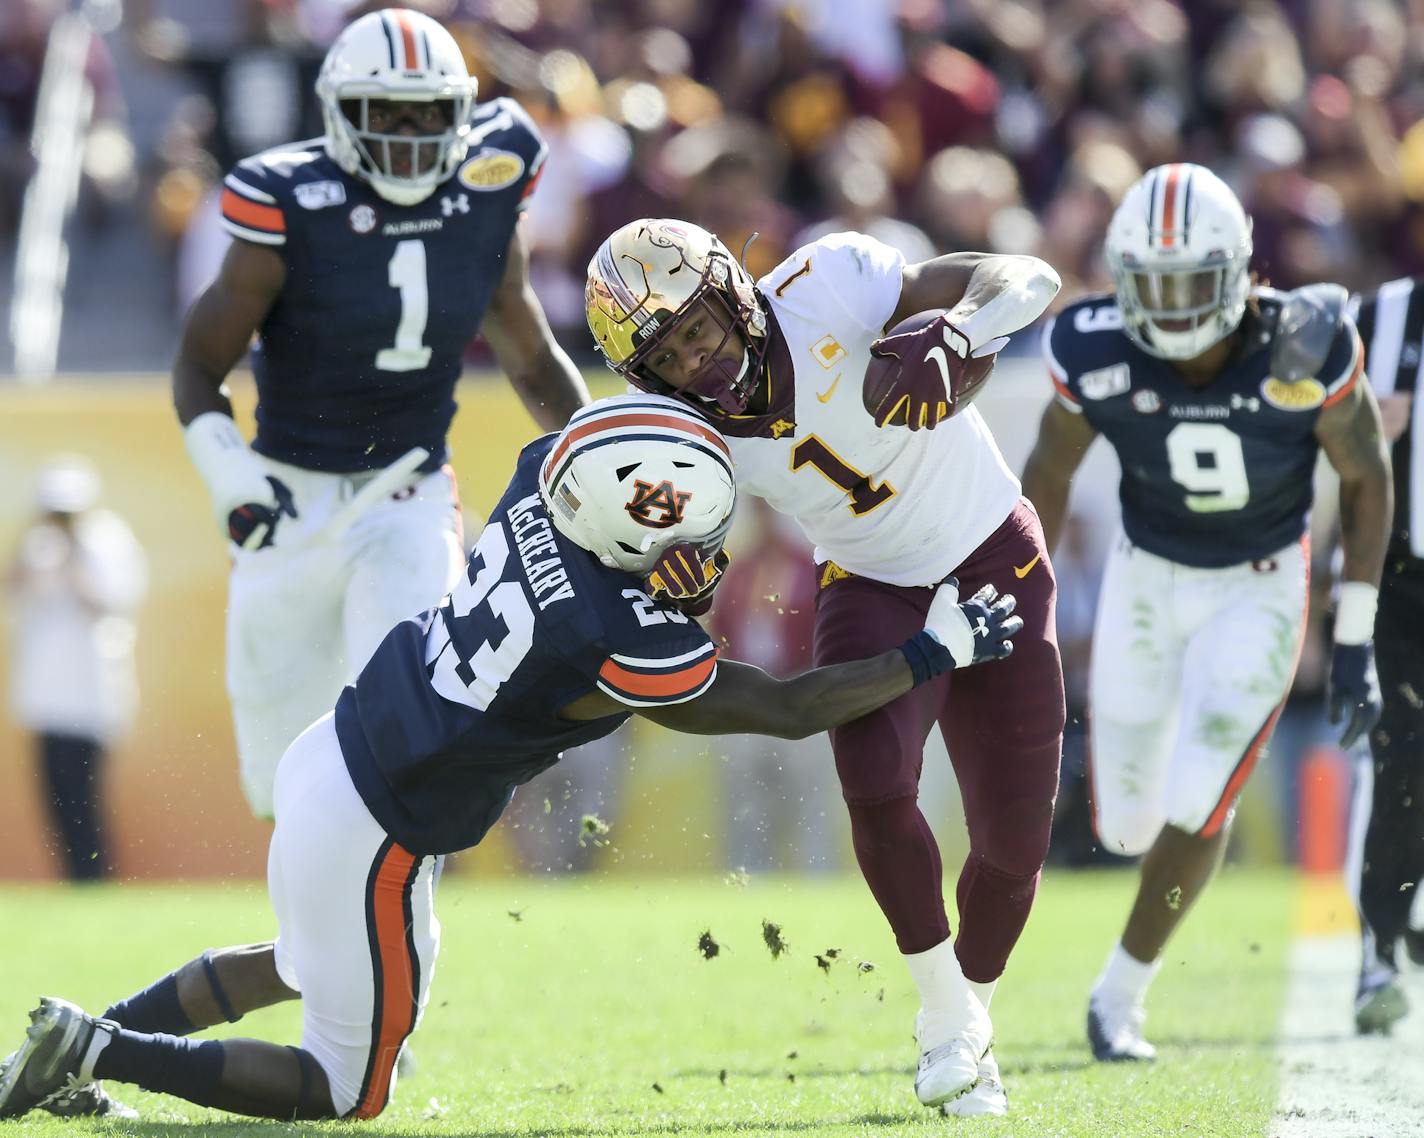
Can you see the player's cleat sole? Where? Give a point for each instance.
(1380, 1008)
(89, 1101)
(47, 1063)
(985, 1097)
(1117, 1038)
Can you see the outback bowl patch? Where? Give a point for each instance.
(491, 170)
(1301, 395)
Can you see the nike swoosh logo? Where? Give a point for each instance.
(937, 354)
(829, 391)
(1022, 573)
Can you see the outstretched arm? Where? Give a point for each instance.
(1352, 436)
(515, 326)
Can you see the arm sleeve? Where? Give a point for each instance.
(1344, 364)
(653, 674)
(250, 211)
(1057, 373)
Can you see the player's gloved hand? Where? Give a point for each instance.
(683, 576)
(960, 633)
(937, 368)
(1354, 690)
(253, 525)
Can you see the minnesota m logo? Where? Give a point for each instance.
(657, 507)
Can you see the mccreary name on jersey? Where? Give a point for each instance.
(459, 706)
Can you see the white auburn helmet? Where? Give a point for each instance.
(631, 475)
(403, 55)
(1179, 248)
(644, 278)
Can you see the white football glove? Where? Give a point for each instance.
(247, 501)
(975, 630)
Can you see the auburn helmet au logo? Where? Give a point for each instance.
(657, 507)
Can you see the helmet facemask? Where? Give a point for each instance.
(429, 158)
(724, 294)
(1178, 312)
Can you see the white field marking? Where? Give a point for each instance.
(1334, 1083)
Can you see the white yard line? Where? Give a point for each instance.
(1335, 1084)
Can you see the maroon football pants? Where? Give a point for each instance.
(1003, 726)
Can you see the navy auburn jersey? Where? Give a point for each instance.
(358, 359)
(1220, 474)
(460, 705)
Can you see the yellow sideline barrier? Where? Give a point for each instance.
(172, 796)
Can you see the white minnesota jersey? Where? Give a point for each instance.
(886, 503)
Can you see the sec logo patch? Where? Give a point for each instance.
(491, 170)
(1302, 395)
(362, 219)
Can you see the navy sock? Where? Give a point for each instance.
(155, 1009)
(169, 1064)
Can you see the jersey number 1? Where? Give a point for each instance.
(406, 272)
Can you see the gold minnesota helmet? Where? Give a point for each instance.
(650, 273)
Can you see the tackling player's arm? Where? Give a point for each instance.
(744, 699)
(518, 332)
(1063, 439)
(220, 326)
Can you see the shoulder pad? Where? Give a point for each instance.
(1305, 329)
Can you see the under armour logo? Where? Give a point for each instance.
(1245, 403)
(981, 628)
(668, 501)
(448, 206)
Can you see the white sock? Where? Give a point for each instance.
(1124, 977)
(102, 1037)
(985, 992)
(944, 992)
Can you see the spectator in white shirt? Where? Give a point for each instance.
(77, 577)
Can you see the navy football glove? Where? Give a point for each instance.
(252, 525)
(1354, 690)
(958, 633)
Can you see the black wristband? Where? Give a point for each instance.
(927, 657)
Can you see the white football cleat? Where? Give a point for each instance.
(949, 1066)
(1115, 1031)
(987, 1096)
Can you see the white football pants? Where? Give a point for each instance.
(1190, 670)
(356, 927)
(305, 614)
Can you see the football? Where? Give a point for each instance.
(927, 376)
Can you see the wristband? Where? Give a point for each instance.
(1355, 613)
(232, 473)
(926, 656)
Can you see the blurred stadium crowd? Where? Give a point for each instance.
(1005, 125)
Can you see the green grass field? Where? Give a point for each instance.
(583, 1007)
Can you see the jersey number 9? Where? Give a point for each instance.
(1206, 460)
